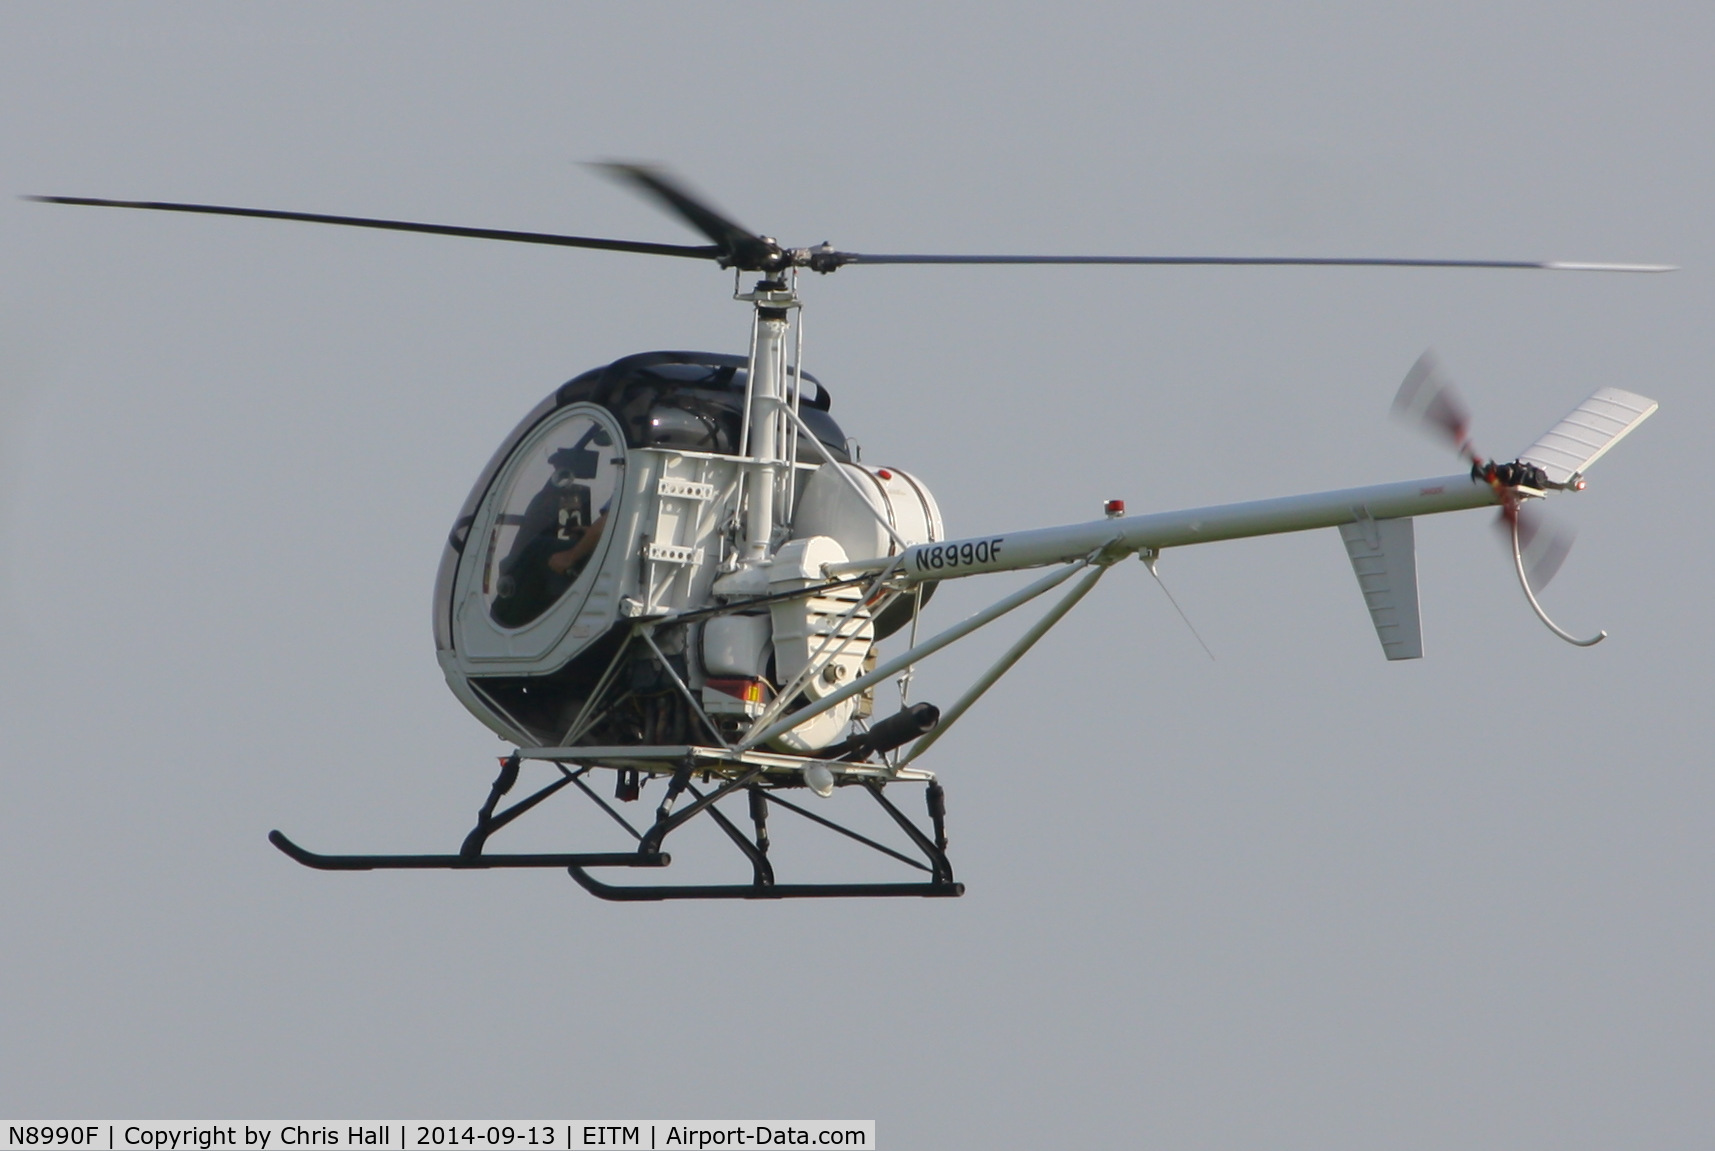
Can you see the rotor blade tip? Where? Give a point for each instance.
(633, 172)
(1576, 266)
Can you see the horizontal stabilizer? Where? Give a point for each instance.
(1585, 436)
(1384, 556)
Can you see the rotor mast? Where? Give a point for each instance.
(764, 436)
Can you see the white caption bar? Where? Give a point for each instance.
(416, 1134)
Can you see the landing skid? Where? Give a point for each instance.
(751, 891)
(459, 862)
(761, 784)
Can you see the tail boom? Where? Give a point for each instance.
(1014, 551)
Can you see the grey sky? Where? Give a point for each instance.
(1296, 897)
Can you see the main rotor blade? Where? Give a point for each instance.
(734, 246)
(1250, 261)
(698, 253)
(740, 246)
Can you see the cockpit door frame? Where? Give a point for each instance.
(482, 645)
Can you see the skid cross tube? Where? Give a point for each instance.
(943, 871)
(763, 885)
(759, 865)
(487, 823)
(666, 820)
(850, 834)
(607, 807)
(760, 788)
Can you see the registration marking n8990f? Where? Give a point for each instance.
(967, 553)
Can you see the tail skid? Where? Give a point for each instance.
(1524, 582)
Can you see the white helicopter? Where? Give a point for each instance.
(674, 570)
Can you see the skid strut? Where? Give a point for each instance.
(940, 883)
(682, 803)
(471, 856)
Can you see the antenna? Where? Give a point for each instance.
(1149, 556)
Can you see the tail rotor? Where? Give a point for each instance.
(1539, 543)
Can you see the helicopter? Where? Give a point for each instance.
(674, 570)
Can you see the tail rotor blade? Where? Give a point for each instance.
(1429, 400)
(1544, 543)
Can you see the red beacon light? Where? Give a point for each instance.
(1114, 509)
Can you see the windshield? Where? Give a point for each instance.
(550, 522)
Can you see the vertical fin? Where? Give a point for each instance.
(1384, 557)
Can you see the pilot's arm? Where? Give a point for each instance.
(573, 557)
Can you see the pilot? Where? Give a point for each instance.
(570, 563)
(555, 540)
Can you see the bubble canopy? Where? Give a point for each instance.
(551, 518)
(690, 400)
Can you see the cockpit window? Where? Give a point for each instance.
(551, 521)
